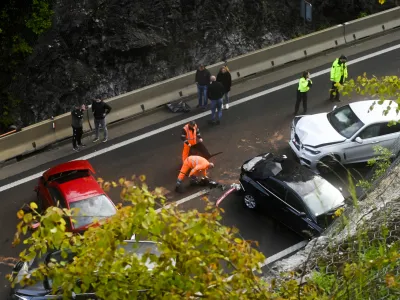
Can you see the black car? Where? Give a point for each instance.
(289, 193)
(43, 289)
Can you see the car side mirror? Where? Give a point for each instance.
(359, 140)
(302, 214)
(334, 107)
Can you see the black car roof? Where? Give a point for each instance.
(291, 170)
(294, 172)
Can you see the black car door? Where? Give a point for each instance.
(253, 188)
(296, 215)
(276, 193)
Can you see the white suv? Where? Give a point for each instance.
(345, 135)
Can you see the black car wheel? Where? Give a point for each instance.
(250, 201)
(328, 164)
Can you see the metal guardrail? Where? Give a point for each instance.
(47, 132)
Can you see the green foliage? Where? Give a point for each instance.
(199, 258)
(383, 88)
(40, 20)
(21, 22)
(10, 104)
(199, 255)
(381, 163)
(324, 281)
(362, 15)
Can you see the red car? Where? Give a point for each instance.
(72, 185)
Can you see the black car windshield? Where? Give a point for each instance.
(318, 194)
(97, 207)
(345, 121)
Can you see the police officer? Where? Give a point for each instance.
(305, 84)
(338, 76)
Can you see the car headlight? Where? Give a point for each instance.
(312, 151)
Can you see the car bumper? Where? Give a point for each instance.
(305, 157)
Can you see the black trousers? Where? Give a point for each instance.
(301, 97)
(77, 136)
(334, 93)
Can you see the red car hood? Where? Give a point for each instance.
(81, 188)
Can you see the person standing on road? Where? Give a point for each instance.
(338, 76)
(198, 166)
(202, 81)
(305, 84)
(224, 76)
(77, 126)
(190, 136)
(215, 93)
(100, 109)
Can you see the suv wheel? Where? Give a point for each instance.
(249, 201)
(328, 164)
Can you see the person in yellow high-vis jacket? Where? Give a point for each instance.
(338, 76)
(305, 84)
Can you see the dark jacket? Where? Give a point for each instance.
(215, 90)
(100, 109)
(226, 80)
(77, 117)
(203, 77)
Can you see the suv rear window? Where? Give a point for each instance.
(345, 121)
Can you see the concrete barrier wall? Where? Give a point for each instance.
(133, 103)
(286, 52)
(370, 25)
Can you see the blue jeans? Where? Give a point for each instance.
(216, 105)
(100, 123)
(226, 98)
(202, 94)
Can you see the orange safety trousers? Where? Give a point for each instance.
(197, 164)
(191, 138)
(185, 152)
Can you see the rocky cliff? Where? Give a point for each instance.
(102, 48)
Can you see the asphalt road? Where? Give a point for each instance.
(256, 126)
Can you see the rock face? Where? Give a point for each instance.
(102, 48)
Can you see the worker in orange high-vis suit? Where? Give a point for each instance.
(198, 166)
(190, 136)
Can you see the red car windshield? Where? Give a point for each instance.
(97, 207)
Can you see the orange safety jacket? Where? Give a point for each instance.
(197, 164)
(191, 136)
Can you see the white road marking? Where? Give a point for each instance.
(284, 253)
(186, 199)
(201, 115)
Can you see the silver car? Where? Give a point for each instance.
(345, 135)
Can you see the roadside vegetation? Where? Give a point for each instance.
(200, 257)
(21, 23)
